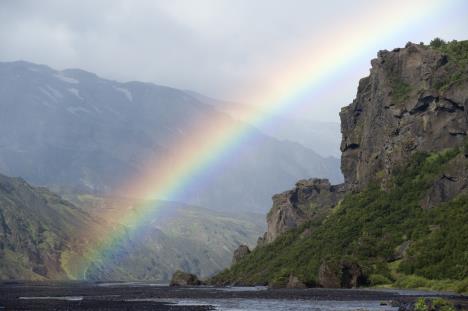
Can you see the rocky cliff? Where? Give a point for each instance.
(409, 103)
(310, 200)
(401, 215)
(415, 99)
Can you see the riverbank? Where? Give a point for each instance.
(147, 296)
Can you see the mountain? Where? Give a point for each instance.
(44, 237)
(322, 137)
(37, 228)
(401, 216)
(175, 237)
(73, 131)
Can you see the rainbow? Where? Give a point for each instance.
(210, 143)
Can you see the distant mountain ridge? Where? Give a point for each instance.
(76, 132)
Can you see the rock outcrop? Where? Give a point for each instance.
(294, 282)
(407, 104)
(411, 111)
(339, 275)
(240, 253)
(180, 278)
(310, 200)
(451, 182)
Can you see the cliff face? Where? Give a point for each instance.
(310, 200)
(407, 104)
(415, 99)
(402, 212)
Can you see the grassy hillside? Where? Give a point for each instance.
(175, 236)
(368, 229)
(457, 54)
(43, 236)
(36, 228)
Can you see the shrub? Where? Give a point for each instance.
(378, 279)
(401, 91)
(420, 305)
(457, 53)
(437, 43)
(412, 281)
(367, 228)
(442, 304)
(462, 287)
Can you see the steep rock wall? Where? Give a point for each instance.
(407, 104)
(310, 200)
(415, 99)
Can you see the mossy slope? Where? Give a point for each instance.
(367, 228)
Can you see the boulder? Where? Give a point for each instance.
(294, 282)
(261, 241)
(239, 253)
(351, 275)
(310, 200)
(180, 278)
(340, 275)
(329, 276)
(401, 251)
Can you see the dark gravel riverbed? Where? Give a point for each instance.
(146, 296)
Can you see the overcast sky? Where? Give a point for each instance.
(224, 49)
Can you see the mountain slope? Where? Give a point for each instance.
(403, 217)
(44, 237)
(383, 236)
(37, 226)
(175, 237)
(73, 131)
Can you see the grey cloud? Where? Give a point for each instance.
(220, 48)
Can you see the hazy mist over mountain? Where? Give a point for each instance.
(320, 136)
(73, 131)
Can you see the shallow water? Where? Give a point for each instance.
(66, 298)
(278, 304)
(242, 288)
(157, 296)
(131, 284)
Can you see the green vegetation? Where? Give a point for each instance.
(368, 228)
(378, 279)
(420, 305)
(457, 51)
(455, 71)
(401, 91)
(419, 282)
(430, 304)
(437, 43)
(457, 54)
(36, 226)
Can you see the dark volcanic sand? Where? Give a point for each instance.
(97, 296)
